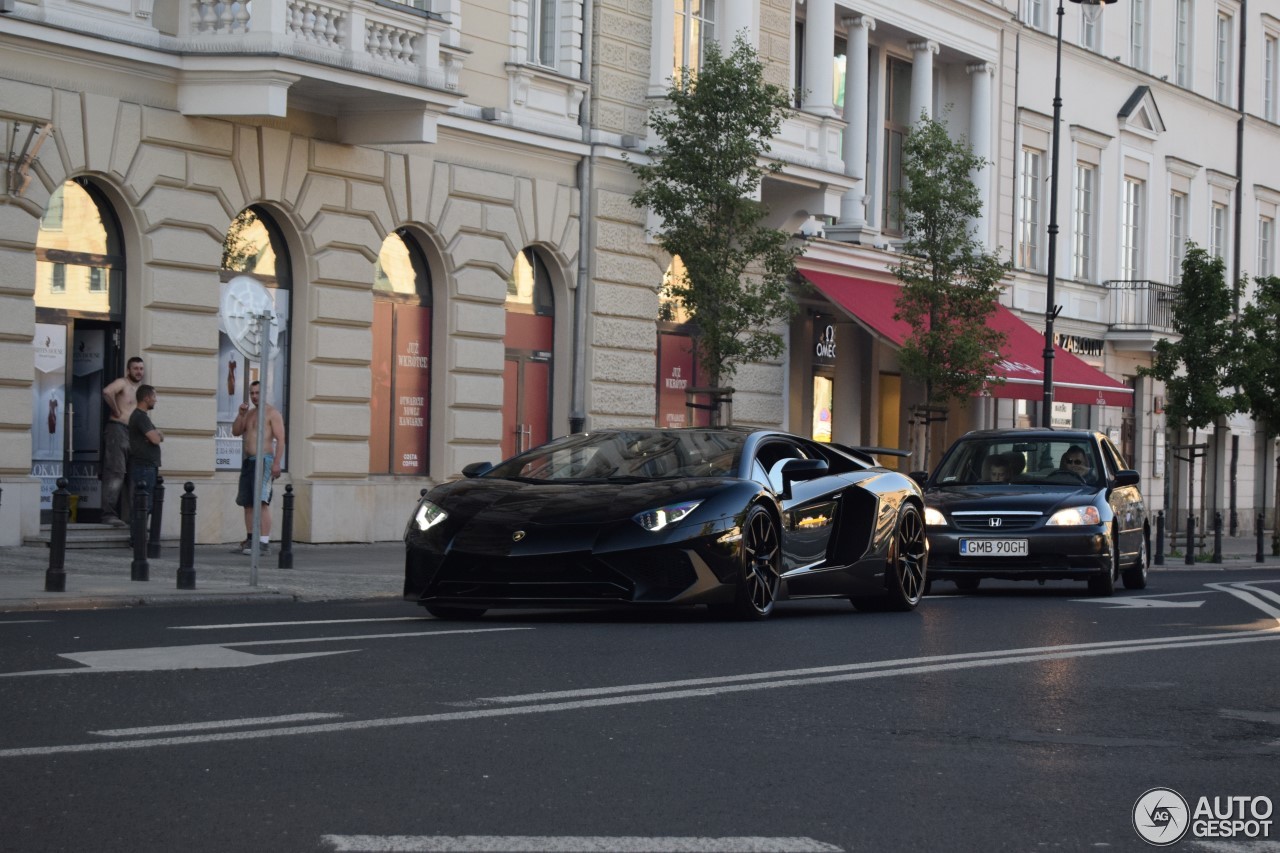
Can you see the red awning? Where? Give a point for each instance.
(873, 303)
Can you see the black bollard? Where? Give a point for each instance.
(1159, 559)
(1191, 541)
(286, 531)
(1217, 537)
(139, 570)
(1235, 523)
(157, 510)
(1258, 530)
(55, 577)
(187, 542)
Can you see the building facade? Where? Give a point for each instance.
(435, 197)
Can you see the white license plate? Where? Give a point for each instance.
(993, 548)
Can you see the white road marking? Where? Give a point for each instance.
(709, 690)
(216, 724)
(855, 667)
(1137, 603)
(180, 657)
(1252, 587)
(300, 622)
(573, 844)
(1244, 592)
(215, 655)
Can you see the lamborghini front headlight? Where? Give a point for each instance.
(656, 519)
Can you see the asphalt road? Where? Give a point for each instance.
(1017, 718)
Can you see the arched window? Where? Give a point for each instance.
(79, 313)
(400, 402)
(253, 245)
(526, 403)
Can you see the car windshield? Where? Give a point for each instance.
(643, 454)
(1048, 461)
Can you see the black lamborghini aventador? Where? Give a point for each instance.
(736, 519)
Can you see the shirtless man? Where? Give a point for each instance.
(122, 398)
(246, 424)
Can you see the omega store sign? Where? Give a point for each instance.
(824, 341)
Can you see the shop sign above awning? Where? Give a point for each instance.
(873, 303)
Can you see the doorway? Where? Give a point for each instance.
(530, 340)
(75, 358)
(526, 389)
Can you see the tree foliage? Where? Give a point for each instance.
(1199, 371)
(950, 284)
(701, 182)
(1258, 373)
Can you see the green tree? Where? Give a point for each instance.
(1258, 367)
(1199, 371)
(950, 283)
(701, 181)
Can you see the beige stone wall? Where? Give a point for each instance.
(777, 31)
(177, 182)
(621, 74)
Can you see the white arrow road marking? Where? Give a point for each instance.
(216, 656)
(1138, 603)
(573, 844)
(181, 657)
(216, 724)
(704, 690)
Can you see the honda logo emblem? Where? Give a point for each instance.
(995, 522)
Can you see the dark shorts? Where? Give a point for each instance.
(244, 496)
(115, 449)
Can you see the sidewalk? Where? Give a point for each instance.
(100, 577)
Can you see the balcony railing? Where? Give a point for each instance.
(389, 39)
(1141, 305)
(398, 41)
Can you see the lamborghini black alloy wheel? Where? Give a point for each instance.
(761, 565)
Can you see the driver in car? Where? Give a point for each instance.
(1076, 461)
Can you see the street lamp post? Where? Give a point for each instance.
(1092, 9)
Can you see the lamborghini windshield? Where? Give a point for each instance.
(629, 454)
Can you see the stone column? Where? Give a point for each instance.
(819, 57)
(980, 137)
(922, 78)
(661, 57)
(737, 17)
(853, 205)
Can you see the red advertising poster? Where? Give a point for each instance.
(677, 372)
(412, 389)
(380, 394)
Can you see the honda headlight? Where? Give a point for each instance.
(934, 518)
(1075, 516)
(656, 519)
(428, 516)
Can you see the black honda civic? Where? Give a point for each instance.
(732, 518)
(1036, 504)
